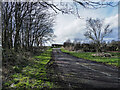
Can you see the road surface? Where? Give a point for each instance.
(80, 73)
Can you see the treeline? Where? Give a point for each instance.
(25, 27)
(26, 24)
(91, 47)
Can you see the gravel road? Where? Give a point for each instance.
(81, 73)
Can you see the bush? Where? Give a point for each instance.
(102, 55)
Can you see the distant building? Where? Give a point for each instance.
(57, 45)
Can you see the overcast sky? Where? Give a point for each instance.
(70, 27)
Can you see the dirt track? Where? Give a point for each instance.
(80, 73)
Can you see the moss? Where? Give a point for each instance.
(33, 75)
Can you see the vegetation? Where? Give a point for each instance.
(25, 25)
(33, 75)
(96, 31)
(114, 60)
(91, 47)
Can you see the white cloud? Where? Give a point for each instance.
(68, 26)
(113, 21)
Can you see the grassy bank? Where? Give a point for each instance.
(114, 60)
(32, 75)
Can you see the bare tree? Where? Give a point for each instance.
(96, 31)
(7, 25)
(30, 23)
(76, 40)
(26, 24)
(73, 6)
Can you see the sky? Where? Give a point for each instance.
(70, 26)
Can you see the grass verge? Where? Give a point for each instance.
(114, 60)
(32, 75)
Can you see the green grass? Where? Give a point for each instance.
(114, 60)
(34, 75)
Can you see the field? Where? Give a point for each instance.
(114, 60)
